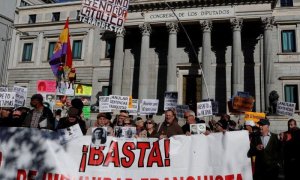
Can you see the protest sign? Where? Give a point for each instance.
(104, 104)
(118, 102)
(217, 156)
(285, 108)
(21, 95)
(243, 104)
(108, 15)
(70, 133)
(204, 109)
(99, 136)
(64, 88)
(49, 100)
(180, 109)
(197, 128)
(86, 112)
(7, 99)
(3, 89)
(46, 86)
(149, 106)
(171, 99)
(134, 109)
(254, 116)
(83, 90)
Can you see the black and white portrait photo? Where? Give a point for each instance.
(99, 136)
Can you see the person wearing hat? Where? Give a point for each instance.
(221, 125)
(72, 119)
(266, 148)
(103, 120)
(40, 116)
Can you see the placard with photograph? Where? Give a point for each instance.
(99, 136)
(197, 128)
(70, 133)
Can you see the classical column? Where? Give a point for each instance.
(206, 27)
(172, 60)
(118, 64)
(268, 63)
(237, 61)
(144, 69)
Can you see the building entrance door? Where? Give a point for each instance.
(191, 92)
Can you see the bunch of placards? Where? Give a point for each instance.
(197, 128)
(285, 108)
(7, 99)
(124, 132)
(204, 109)
(108, 15)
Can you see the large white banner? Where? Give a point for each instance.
(39, 154)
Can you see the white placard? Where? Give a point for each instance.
(118, 102)
(21, 95)
(135, 107)
(199, 13)
(171, 99)
(99, 136)
(285, 108)
(3, 88)
(7, 99)
(204, 109)
(149, 106)
(70, 133)
(197, 128)
(104, 104)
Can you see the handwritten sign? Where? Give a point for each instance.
(134, 109)
(3, 88)
(149, 106)
(7, 99)
(118, 102)
(171, 99)
(104, 104)
(285, 108)
(204, 109)
(21, 95)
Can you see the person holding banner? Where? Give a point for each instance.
(170, 126)
(150, 129)
(40, 116)
(103, 120)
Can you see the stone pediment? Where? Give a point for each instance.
(141, 5)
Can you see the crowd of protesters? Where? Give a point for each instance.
(268, 151)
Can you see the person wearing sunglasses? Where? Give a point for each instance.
(150, 129)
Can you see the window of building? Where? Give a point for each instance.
(51, 49)
(286, 3)
(32, 19)
(27, 52)
(288, 41)
(291, 94)
(55, 16)
(23, 3)
(110, 47)
(77, 48)
(105, 91)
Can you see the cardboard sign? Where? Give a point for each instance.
(118, 102)
(180, 109)
(243, 104)
(46, 86)
(3, 89)
(204, 109)
(7, 99)
(124, 132)
(135, 106)
(197, 128)
(104, 104)
(21, 95)
(108, 15)
(171, 99)
(83, 90)
(149, 106)
(254, 116)
(285, 108)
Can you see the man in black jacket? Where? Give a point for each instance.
(266, 148)
(40, 116)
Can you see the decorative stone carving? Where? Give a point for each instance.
(236, 24)
(273, 99)
(145, 28)
(268, 22)
(206, 25)
(173, 27)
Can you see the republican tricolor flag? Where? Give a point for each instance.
(62, 54)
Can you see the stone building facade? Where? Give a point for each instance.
(250, 46)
